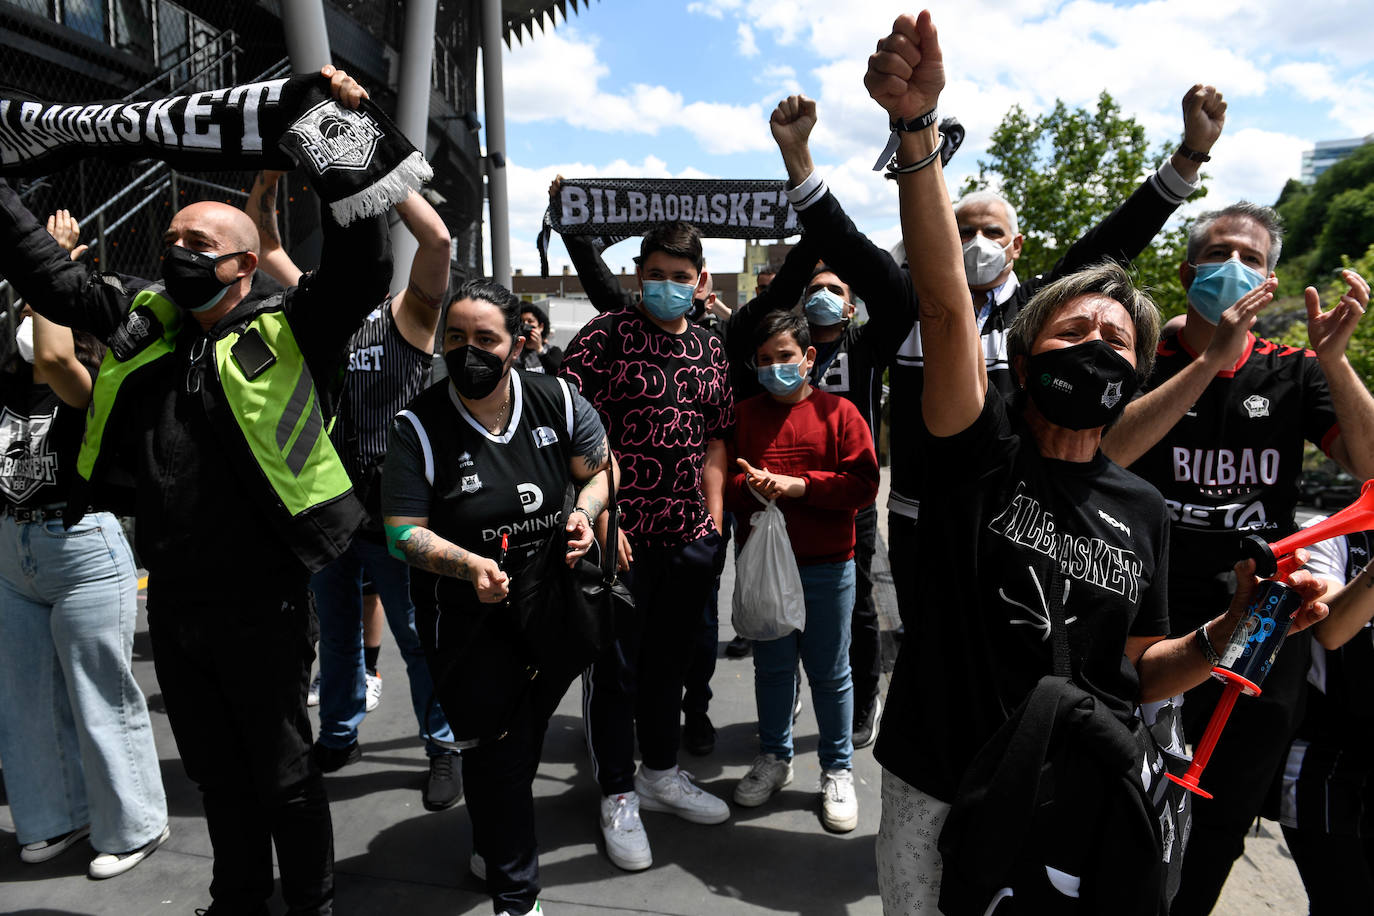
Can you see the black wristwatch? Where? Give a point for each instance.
(1192, 154)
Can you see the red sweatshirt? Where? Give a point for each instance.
(823, 440)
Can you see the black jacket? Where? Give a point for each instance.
(197, 518)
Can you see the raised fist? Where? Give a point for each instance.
(793, 120)
(907, 71)
(1204, 114)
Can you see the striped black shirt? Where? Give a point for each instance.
(385, 372)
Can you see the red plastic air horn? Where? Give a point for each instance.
(1257, 639)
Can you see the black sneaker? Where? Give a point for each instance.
(444, 785)
(866, 726)
(698, 734)
(331, 759)
(737, 647)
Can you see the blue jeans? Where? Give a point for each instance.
(338, 592)
(824, 650)
(75, 737)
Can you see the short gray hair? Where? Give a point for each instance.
(1108, 279)
(1267, 217)
(988, 197)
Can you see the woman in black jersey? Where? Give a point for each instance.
(75, 736)
(473, 487)
(1036, 552)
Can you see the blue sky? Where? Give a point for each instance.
(671, 87)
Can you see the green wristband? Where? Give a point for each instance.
(395, 534)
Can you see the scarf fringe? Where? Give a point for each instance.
(386, 192)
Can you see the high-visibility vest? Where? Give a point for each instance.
(265, 413)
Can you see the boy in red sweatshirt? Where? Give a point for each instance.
(813, 453)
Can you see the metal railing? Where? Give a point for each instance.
(154, 182)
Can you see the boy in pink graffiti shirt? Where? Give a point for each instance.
(662, 387)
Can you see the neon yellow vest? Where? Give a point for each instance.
(274, 419)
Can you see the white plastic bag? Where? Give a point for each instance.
(768, 602)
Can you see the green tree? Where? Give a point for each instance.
(1067, 169)
(1325, 221)
(1361, 348)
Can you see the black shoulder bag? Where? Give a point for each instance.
(568, 616)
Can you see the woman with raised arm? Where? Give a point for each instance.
(1025, 523)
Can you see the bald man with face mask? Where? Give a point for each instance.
(212, 400)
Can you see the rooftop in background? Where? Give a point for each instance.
(1327, 153)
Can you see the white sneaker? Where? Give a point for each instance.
(766, 776)
(839, 804)
(312, 696)
(627, 845)
(374, 690)
(110, 864)
(43, 850)
(675, 793)
(531, 912)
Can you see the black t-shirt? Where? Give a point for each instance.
(1230, 466)
(474, 486)
(39, 439)
(997, 521)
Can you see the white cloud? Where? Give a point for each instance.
(1251, 164)
(557, 78)
(1263, 54)
(1144, 54)
(1351, 99)
(744, 41)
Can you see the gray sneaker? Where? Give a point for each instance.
(839, 804)
(627, 845)
(676, 793)
(767, 775)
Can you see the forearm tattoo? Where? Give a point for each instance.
(426, 550)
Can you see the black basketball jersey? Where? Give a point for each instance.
(485, 486)
(1230, 466)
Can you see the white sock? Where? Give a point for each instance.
(655, 775)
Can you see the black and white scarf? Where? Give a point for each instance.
(618, 208)
(357, 160)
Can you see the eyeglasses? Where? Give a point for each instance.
(195, 370)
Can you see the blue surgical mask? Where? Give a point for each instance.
(781, 378)
(1217, 287)
(666, 300)
(824, 308)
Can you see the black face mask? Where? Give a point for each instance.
(1080, 387)
(475, 372)
(190, 278)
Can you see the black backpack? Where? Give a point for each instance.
(1066, 809)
